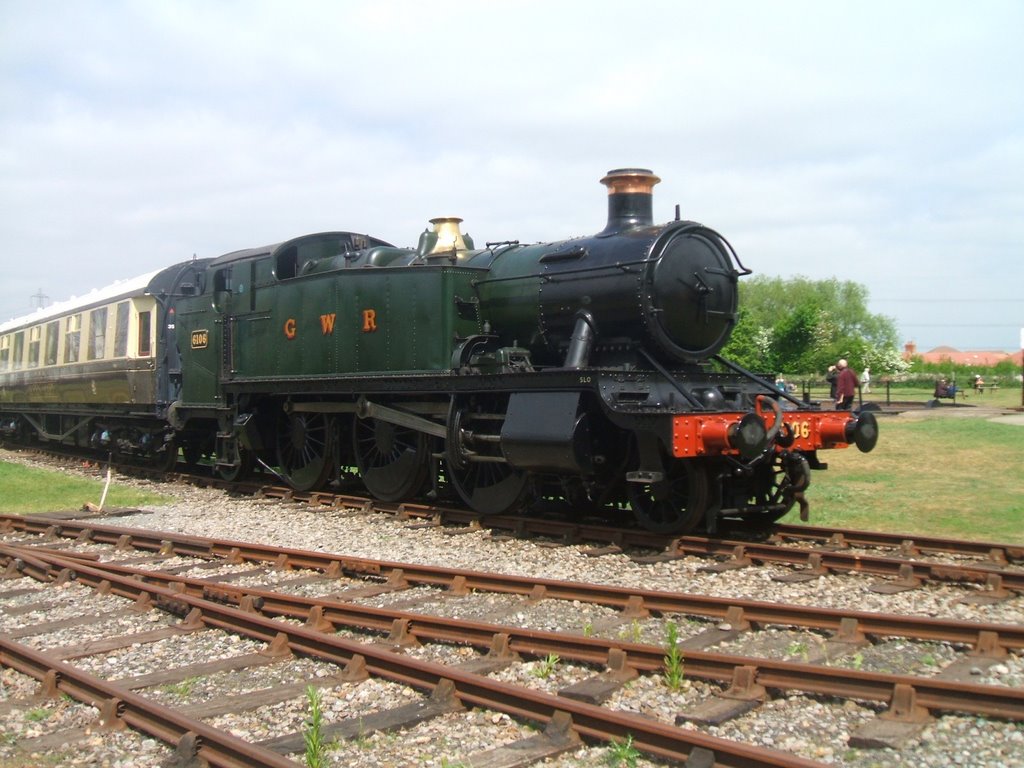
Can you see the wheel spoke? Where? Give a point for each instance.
(392, 460)
(304, 449)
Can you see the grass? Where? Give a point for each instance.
(26, 490)
(942, 472)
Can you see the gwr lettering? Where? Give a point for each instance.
(327, 323)
(369, 320)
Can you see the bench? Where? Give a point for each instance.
(946, 393)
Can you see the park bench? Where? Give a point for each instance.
(946, 392)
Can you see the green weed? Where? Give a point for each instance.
(183, 688)
(797, 648)
(546, 666)
(38, 714)
(673, 658)
(623, 753)
(316, 747)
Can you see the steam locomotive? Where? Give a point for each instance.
(583, 372)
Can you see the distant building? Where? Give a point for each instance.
(979, 357)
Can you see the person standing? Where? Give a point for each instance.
(831, 376)
(865, 381)
(846, 386)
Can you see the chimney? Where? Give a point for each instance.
(630, 198)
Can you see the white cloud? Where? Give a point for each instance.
(877, 142)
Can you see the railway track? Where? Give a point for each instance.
(913, 559)
(200, 580)
(398, 574)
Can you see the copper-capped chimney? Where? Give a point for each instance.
(630, 198)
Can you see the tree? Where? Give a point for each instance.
(800, 326)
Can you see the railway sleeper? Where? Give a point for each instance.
(742, 696)
(903, 721)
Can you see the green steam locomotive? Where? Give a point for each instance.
(583, 373)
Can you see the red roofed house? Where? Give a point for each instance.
(979, 357)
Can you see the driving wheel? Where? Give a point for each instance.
(491, 489)
(393, 461)
(304, 449)
(475, 466)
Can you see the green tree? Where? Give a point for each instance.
(799, 339)
(799, 326)
(750, 343)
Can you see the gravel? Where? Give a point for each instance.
(812, 727)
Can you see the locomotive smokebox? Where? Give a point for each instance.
(670, 289)
(630, 198)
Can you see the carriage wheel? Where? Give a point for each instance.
(393, 461)
(305, 449)
(166, 459)
(674, 505)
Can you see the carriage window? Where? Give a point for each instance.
(121, 330)
(52, 337)
(5, 353)
(145, 337)
(19, 348)
(72, 338)
(97, 333)
(34, 336)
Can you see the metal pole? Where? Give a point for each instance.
(1022, 367)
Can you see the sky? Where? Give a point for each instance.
(877, 142)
